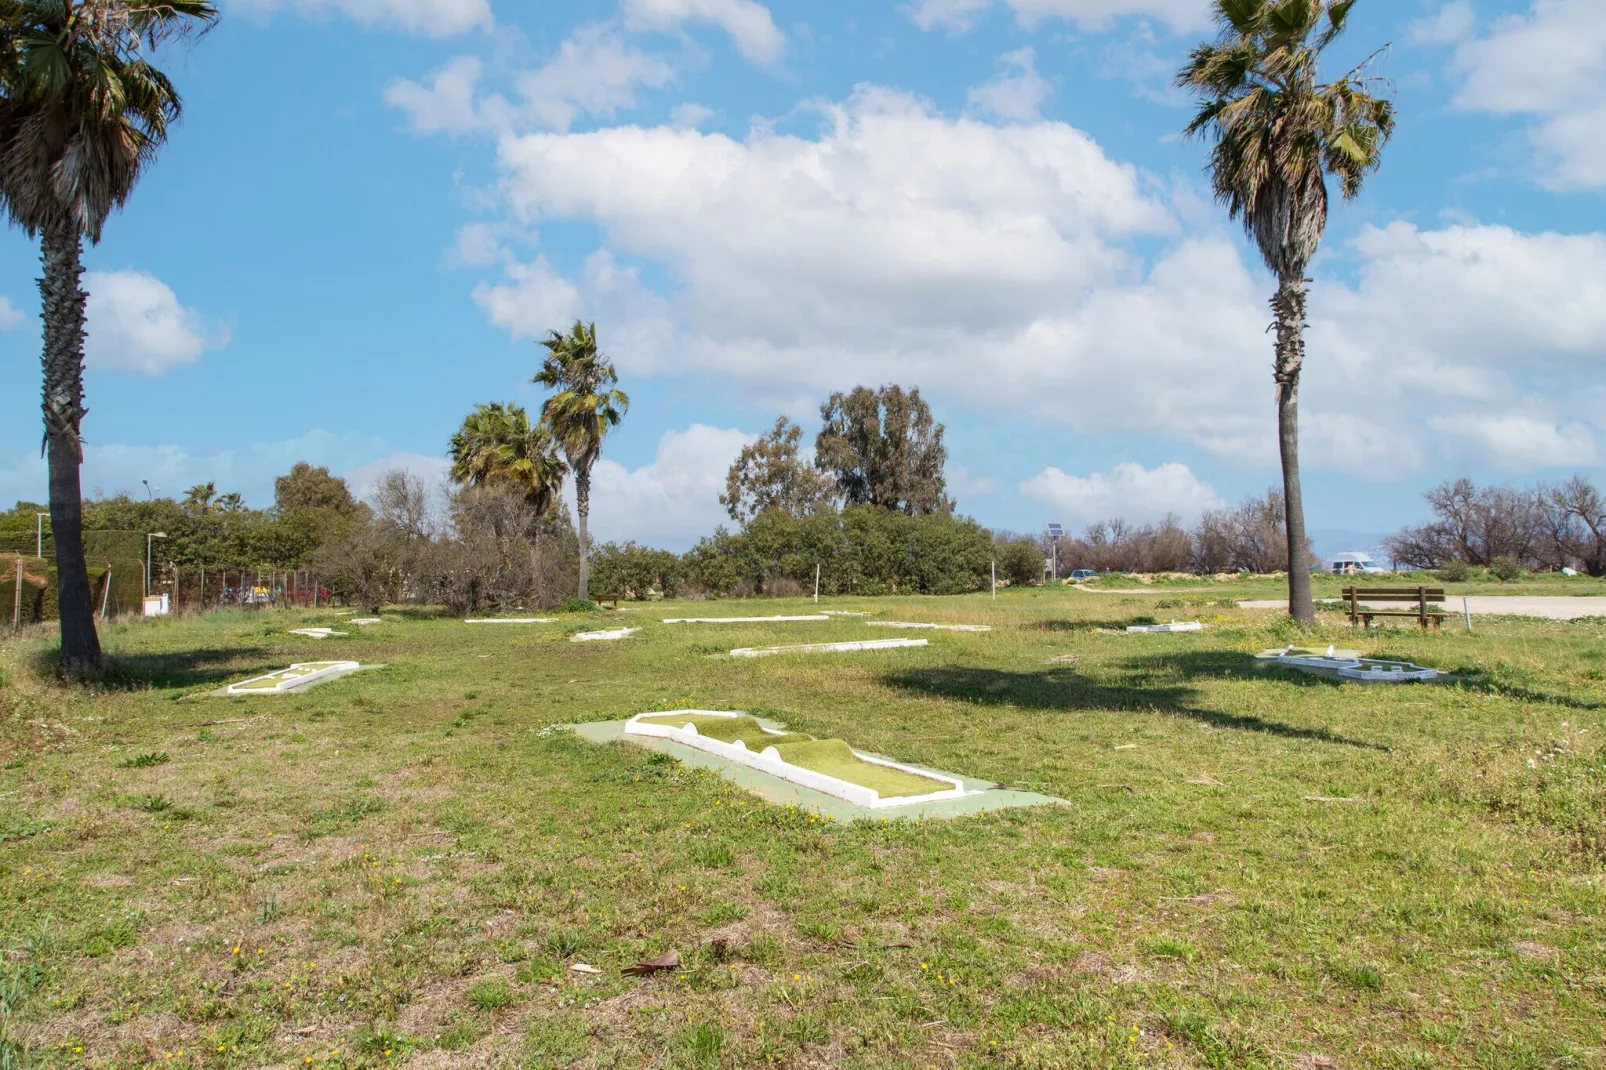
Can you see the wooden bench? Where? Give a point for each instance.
(609, 600)
(1422, 596)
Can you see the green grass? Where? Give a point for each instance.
(405, 865)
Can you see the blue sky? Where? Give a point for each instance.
(372, 207)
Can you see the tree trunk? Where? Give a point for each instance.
(582, 506)
(62, 298)
(1289, 308)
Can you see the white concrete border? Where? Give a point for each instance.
(1370, 671)
(826, 648)
(742, 620)
(934, 627)
(297, 675)
(769, 760)
(513, 620)
(1174, 626)
(317, 633)
(603, 637)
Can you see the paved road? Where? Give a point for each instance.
(1489, 605)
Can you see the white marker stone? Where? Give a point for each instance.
(827, 648)
(932, 627)
(602, 637)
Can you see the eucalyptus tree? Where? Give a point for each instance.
(1278, 133)
(586, 406)
(498, 445)
(83, 113)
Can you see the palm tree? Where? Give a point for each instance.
(580, 414)
(82, 114)
(497, 445)
(199, 498)
(1278, 133)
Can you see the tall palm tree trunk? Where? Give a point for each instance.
(582, 505)
(1289, 308)
(61, 254)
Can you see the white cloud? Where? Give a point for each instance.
(671, 502)
(1548, 64)
(994, 266)
(135, 323)
(1453, 22)
(960, 15)
(250, 470)
(962, 483)
(1017, 92)
(595, 72)
(1519, 441)
(1128, 491)
(11, 317)
(534, 301)
(434, 472)
(749, 24)
(434, 18)
(447, 104)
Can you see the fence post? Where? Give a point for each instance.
(16, 610)
(106, 592)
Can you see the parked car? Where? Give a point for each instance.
(1082, 575)
(1356, 563)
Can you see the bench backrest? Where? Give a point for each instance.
(1394, 594)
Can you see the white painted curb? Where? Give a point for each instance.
(934, 627)
(741, 620)
(302, 672)
(826, 648)
(513, 620)
(1174, 626)
(316, 633)
(769, 760)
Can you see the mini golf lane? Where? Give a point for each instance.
(981, 796)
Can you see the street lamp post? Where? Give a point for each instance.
(39, 539)
(148, 537)
(1056, 532)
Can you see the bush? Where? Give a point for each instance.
(863, 549)
(581, 605)
(1455, 571)
(1020, 562)
(1506, 568)
(632, 571)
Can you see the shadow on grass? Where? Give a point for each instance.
(1091, 625)
(189, 668)
(1487, 686)
(1065, 690)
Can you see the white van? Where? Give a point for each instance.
(1356, 563)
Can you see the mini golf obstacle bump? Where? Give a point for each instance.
(826, 648)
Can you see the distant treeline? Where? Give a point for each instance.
(1544, 527)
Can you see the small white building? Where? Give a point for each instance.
(1355, 563)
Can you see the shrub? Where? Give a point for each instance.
(1455, 571)
(1506, 568)
(1020, 562)
(633, 571)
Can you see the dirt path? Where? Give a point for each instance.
(1555, 608)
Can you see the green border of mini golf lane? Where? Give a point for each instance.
(773, 789)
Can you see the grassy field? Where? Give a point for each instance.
(401, 868)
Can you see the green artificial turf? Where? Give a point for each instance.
(730, 729)
(834, 757)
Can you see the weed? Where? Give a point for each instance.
(146, 760)
(490, 995)
(703, 1043)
